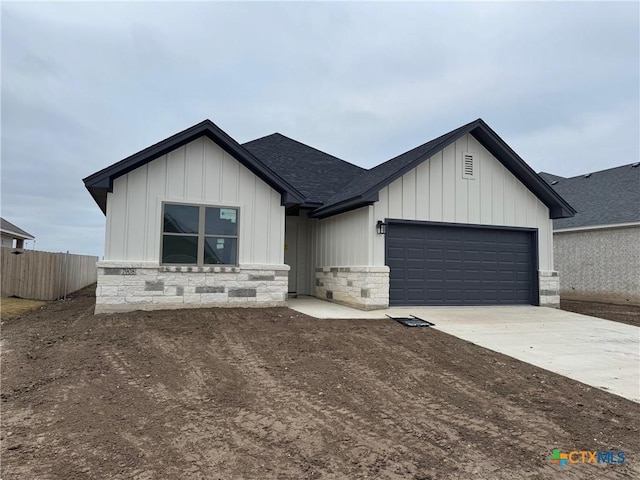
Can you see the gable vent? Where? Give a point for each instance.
(469, 165)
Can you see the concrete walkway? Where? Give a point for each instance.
(597, 352)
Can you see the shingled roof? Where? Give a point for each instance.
(607, 197)
(316, 174)
(10, 229)
(309, 178)
(363, 189)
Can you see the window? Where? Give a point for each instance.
(199, 235)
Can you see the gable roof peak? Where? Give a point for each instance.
(363, 190)
(101, 182)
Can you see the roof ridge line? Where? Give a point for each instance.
(598, 171)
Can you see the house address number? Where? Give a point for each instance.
(128, 271)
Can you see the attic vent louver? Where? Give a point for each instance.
(587, 175)
(469, 166)
(554, 182)
(635, 165)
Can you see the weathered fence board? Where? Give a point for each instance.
(45, 275)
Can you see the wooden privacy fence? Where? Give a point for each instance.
(45, 275)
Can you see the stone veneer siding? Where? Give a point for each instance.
(126, 286)
(549, 284)
(366, 288)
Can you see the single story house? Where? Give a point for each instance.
(200, 220)
(13, 236)
(597, 251)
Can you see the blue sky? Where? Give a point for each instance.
(87, 84)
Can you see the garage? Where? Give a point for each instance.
(451, 264)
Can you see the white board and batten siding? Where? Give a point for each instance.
(436, 191)
(201, 173)
(340, 241)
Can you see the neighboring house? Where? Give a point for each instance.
(200, 220)
(13, 236)
(597, 251)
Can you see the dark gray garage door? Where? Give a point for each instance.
(441, 264)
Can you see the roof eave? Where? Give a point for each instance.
(558, 207)
(559, 212)
(103, 179)
(17, 235)
(345, 206)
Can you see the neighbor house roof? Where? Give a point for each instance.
(607, 197)
(316, 174)
(307, 177)
(14, 231)
(364, 189)
(101, 182)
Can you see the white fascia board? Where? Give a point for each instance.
(16, 235)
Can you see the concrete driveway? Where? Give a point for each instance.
(597, 352)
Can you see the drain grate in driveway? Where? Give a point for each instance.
(412, 321)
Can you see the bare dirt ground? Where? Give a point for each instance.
(623, 313)
(273, 394)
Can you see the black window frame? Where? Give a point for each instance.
(201, 235)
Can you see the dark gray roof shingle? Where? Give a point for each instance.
(317, 175)
(607, 197)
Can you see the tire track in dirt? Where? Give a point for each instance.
(529, 431)
(373, 443)
(203, 438)
(235, 394)
(536, 424)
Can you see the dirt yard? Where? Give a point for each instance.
(628, 313)
(272, 394)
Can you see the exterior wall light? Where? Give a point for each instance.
(381, 227)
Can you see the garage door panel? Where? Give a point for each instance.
(415, 274)
(452, 265)
(414, 235)
(471, 255)
(413, 253)
(415, 294)
(489, 256)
